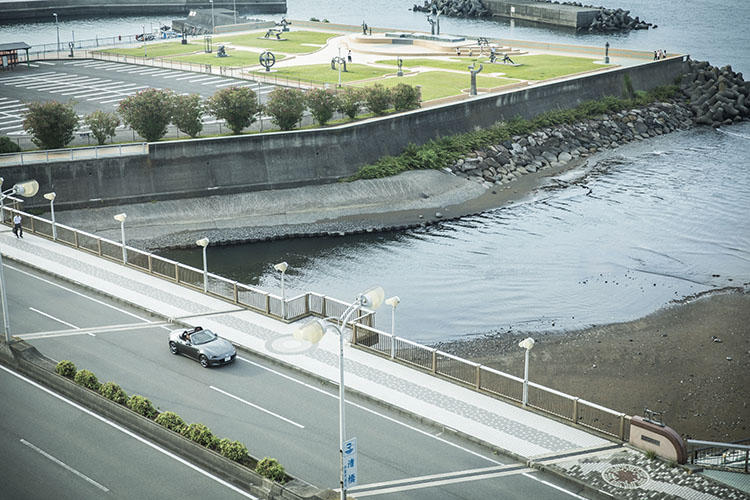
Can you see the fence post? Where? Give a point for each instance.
(622, 427)
(479, 377)
(32, 225)
(354, 333)
(236, 294)
(575, 410)
(268, 304)
(434, 361)
(176, 273)
(99, 246)
(75, 238)
(150, 266)
(323, 308)
(747, 456)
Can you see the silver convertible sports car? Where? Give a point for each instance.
(202, 345)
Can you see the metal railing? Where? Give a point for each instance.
(494, 382)
(68, 154)
(442, 364)
(733, 456)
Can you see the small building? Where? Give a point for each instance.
(9, 53)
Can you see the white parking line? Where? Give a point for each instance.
(54, 318)
(46, 63)
(258, 407)
(65, 466)
(227, 84)
(131, 434)
(205, 78)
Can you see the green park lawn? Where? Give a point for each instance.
(322, 73)
(159, 49)
(438, 84)
(537, 67)
(295, 43)
(235, 58)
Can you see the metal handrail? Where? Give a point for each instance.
(70, 154)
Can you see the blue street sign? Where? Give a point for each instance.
(350, 463)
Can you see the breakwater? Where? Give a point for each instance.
(566, 16)
(718, 96)
(43, 9)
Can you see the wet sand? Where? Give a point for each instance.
(690, 360)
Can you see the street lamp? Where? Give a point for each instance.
(282, 267)
(527, 344)
(203, 242)
(58, 31)
(213, 26)
(145, 50)
(314, 331)
(234, 5)
(27, 189)
(121, 219)
(393, 302)
(51, 197)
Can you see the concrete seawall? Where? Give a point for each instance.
(567, 16)
(180, 169)
(43, 9)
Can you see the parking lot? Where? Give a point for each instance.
(100, 85)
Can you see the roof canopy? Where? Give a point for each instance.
(14, 46)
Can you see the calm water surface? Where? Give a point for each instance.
(637, 228)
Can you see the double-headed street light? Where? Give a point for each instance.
(51, 197)
(393, 302)
(527, 344)
(121, 219)
(203, 242)
(27, 189)
(314, 331)
(282, 267)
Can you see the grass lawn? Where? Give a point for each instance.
(159, 49)
(235, 58)
(538, 67)
(324, 74)
(293, 44)
(437, 84)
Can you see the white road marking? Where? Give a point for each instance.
(65, 466)
(453, 474)
(226, 84)
(559, 488)
(90, 330)
(364, 408)
(258, 407)
(46, 63)
(53, 318)
(131, 434)
(443, 482)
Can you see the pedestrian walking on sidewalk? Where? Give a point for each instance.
(17, 227)
(349, 56)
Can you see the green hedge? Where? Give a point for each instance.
(201, 435)
(142, 406)
(271, 469)
(87, 379)
(66, 368)
(443, 152)
(113, 392)
(171, 421)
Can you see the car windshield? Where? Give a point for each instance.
(202, 337)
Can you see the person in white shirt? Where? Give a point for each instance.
(17, 227)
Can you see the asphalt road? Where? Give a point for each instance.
(52, 448)
(275, 411)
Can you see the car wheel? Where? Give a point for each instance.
(173, 348)
(204, 361)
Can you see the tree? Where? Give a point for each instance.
(8, 146)
(378, 98)
(404, 97)
(102, 125)
(187, 113)
(286, 106)
(235, 105)
(51, 124)
(322, 104)
(148, 112)
(350, 100)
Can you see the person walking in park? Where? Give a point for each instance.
(17, 227)
(349, 56)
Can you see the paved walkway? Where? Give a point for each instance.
(546, 443)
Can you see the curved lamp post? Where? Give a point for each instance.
(121, 219)
(58, 31)
(282, 267)
(393, 302)
(51, 197)
(527, 344)
(314, 331)
(27, 189)
(203, 242)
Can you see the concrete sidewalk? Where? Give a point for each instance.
(544, 443)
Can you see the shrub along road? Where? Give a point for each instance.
(274, 411)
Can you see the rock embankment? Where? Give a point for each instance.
(609, 19)
(718, 96)
(454, 8)
(554, 146)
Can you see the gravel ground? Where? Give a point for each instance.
(689, 360)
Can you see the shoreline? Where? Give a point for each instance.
(687, 359)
